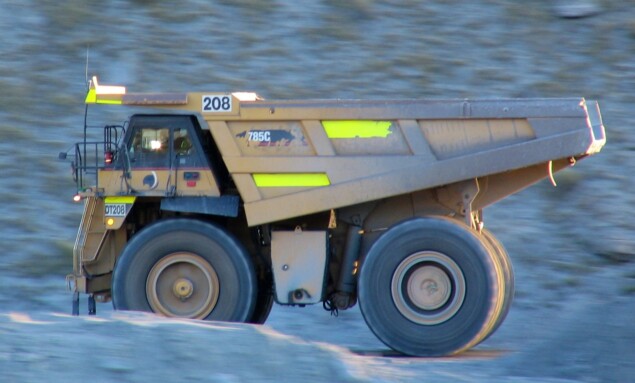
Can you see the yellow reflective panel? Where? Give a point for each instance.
(117, 102)
(91, 97)
(357, 128)
(118, 199)
(291, 180)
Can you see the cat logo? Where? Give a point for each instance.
(151, 180)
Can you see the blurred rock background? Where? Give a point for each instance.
(572, 245)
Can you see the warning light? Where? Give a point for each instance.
(110, 221)
(77, 198)
(108, 157)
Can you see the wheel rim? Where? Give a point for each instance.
(428, 288)
(183, 285)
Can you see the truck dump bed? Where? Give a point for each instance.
(293, 158)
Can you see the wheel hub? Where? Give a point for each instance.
(428, 288)
(183, 285)
(183, 288)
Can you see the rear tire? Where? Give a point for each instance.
(430, 287)
(508, 275)
(185, 268)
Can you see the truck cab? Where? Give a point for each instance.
(162, 155)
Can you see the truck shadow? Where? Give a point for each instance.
(464, 356)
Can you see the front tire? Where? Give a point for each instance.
(264, 300)
(430, 287)
(188, 269)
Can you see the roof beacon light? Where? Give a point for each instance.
(107, 89)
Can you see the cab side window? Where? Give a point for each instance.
(150, 147)
(164, 142)
(182, 143)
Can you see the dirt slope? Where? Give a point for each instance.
(572, 319)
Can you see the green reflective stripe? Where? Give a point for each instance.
(120, 199)
(268, 180)
(357, 128)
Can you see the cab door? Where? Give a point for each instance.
(149, 159)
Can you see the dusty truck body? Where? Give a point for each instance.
(224, 203)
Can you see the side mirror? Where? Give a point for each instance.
(62, 156)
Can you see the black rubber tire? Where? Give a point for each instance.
(264, 300)
(479, 283)
(236, 295)
(508, 275)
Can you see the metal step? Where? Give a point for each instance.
(91, 234)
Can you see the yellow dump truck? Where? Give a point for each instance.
(220, 204)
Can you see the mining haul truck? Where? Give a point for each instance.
(216, 205)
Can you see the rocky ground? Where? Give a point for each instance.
(572, 246)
